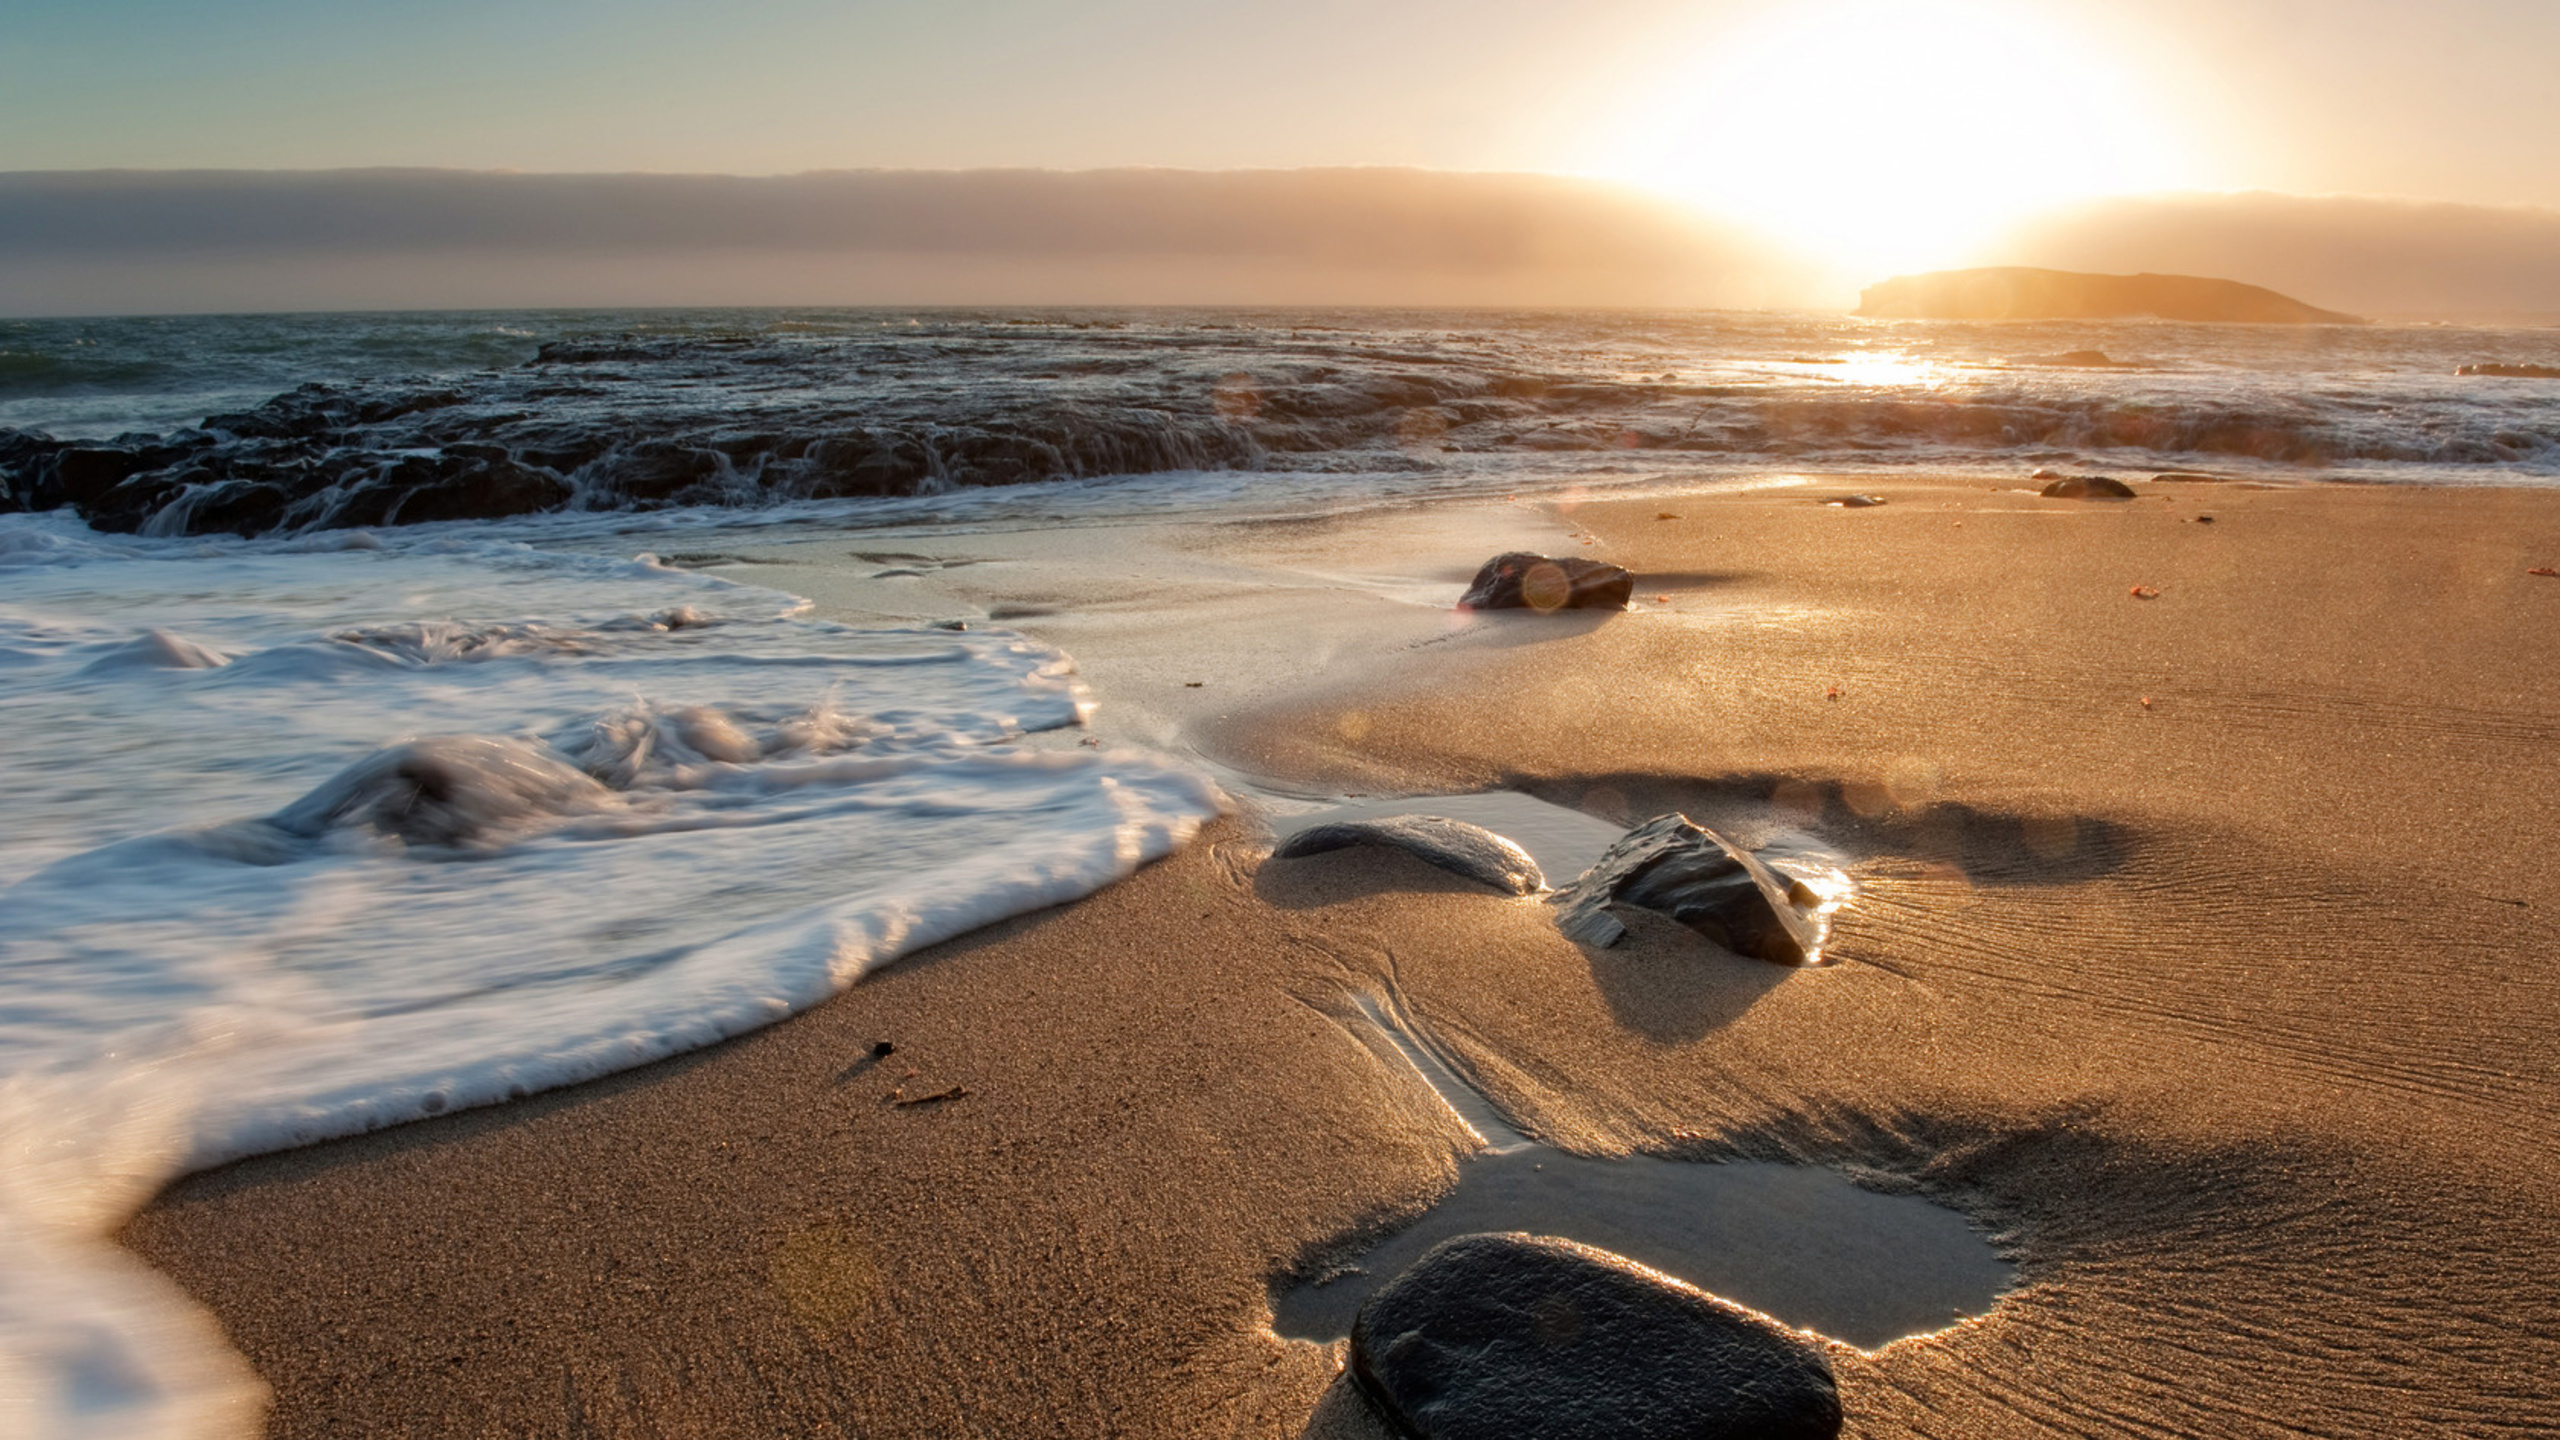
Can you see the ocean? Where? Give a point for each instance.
(373, 752)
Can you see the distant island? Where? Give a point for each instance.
(2020, 293)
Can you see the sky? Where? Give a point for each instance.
(2447, 99)
(1872, 135)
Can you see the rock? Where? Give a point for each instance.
(1453, 845)
(157, 650)
(2513, 372)
(1522, 581)
(2087, 487)
(1503, 1336)
(1855, 502)
(1700, 879)
(2019, 292)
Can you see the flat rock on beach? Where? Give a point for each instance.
(1453, 845)
(1490, 1337)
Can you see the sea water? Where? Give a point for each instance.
(303, 839)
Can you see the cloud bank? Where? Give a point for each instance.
(156, 242)
(2392, 259)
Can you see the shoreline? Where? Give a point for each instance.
(2216, 1008)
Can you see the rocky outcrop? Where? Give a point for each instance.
(1453, 845)
(1700, 879)
(2021, 293)
(1520, 580)
(1494, 1337)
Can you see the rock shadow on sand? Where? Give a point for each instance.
(1671, 985)
(1877, 822)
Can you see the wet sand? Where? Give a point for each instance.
(2233, 1016)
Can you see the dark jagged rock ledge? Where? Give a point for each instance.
(2016, 292)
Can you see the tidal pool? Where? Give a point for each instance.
(1800, 1243)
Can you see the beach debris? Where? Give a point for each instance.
(883, 1050)
(1519, 580)
(2543, 570)
(1665, 515)
(1454, 845)
(2146, 702)
(1193, 684)
(2087, 487)
(950, 624)
(1854, 502)
(2144, 592)
(1697, 877)
(2185, 477)
(1091, 742)
(1509, 1335)
(1661, 599)
(902, 1099)
(1831, 692)
(2204, 519)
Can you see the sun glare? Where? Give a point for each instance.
(1879, 136)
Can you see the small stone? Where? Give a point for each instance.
(1855, 502)
(1503, 1336)
(883, 1050)
(1522, 581)
(1453, 845)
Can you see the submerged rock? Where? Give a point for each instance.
(1520, 580)
(1700, 879)
(2088, 487)
(1453, 845)
(1501, 1336)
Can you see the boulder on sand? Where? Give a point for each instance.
(2087, 487)
(1700, 879)
(1503, 1336)
(1523, 581)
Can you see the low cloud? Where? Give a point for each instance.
(152, 242)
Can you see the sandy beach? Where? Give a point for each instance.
(2202, 955)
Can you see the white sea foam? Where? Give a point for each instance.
(301, 843)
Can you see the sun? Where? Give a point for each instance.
(1877, 136)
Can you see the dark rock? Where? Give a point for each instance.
(240, 507)
(1700, 879)
(1453, 845)
(1522, 581)
(482, 490)
(657, 470)
(1505, 1336)
(859, 462)
(2088, 487)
